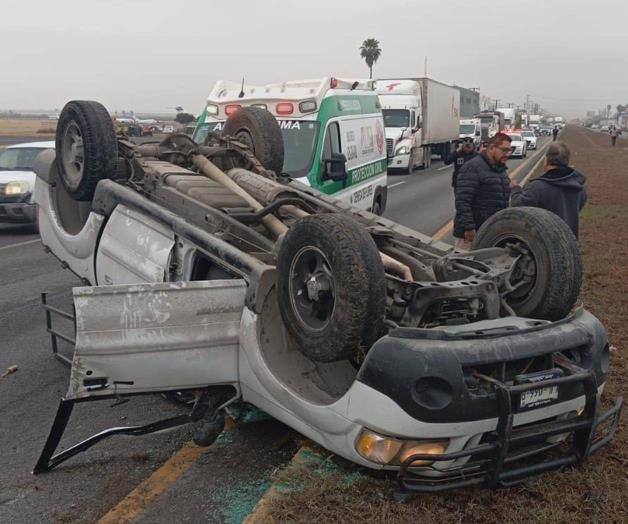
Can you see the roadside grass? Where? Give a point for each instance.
(324, 488)
(26, 127)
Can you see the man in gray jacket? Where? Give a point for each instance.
(560, 189)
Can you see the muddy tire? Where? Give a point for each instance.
(259, 130)
(331, 287)
(549, 270)
(86, 147)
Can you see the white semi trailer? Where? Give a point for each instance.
(421, 118)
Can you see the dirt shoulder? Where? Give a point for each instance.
(27, 127)
(327, 489)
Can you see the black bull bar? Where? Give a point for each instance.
(493, 470)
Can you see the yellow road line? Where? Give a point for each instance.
(131, 506)
(447, 228)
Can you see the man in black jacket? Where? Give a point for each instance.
(482, 189)
(560, 189)
(463, 154)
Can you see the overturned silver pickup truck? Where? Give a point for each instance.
(209, 272)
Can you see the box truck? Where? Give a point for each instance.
(421, 118)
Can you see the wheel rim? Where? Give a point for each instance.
(524, 277)
(312, 288)
(244, 137)
(73, 155)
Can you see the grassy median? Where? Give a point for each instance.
(322, 488)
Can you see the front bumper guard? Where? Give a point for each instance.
(494, 471)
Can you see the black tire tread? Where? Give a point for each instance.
(360, 307)
(265, 132)
(563, 277)
(99, 143)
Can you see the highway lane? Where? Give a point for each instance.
(424, 200)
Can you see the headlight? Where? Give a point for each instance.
(403, 150)
(16, 188)
(391, 451)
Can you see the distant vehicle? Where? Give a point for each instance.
(530, 138)
(421, 117)
(604, 129)
(17, 182)
(491, 123)
(168, 129)
(509, 116)
(471, 128)
(332, 130)
(595, 126)
(518, 145)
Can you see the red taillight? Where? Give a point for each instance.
(231, 108)
(284, 108)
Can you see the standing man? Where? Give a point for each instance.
(482, 189)
(555, 133)
(613, 132)
(464, 153)
(560, 189)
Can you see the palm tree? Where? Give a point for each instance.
(370, 51)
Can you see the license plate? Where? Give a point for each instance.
(538, 397)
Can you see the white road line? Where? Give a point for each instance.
(396, 184)
(445, 167)
(20, 244)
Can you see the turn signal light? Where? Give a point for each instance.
(391, 451)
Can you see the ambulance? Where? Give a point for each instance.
(333, 133)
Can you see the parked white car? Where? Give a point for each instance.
(17, 182)
(530, 139)
(518, 145)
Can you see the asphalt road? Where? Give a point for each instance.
(222, 486)
(424, 200)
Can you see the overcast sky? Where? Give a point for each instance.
(151, 55)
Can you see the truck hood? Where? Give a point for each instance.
(396, 133)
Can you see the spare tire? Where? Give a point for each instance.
(331, 287)
(548, 274)
(86, 147)
(258, 129)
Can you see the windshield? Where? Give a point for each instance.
(527, 133)
(515, 138)
(299, 143)
(396, 117)
(19, 158)
(467, 129)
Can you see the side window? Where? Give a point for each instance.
(332, 140)
(205, 269)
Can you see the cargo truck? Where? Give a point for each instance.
(509, 116)
(421, 118)
(491, 123)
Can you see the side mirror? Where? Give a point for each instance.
(335, 167)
